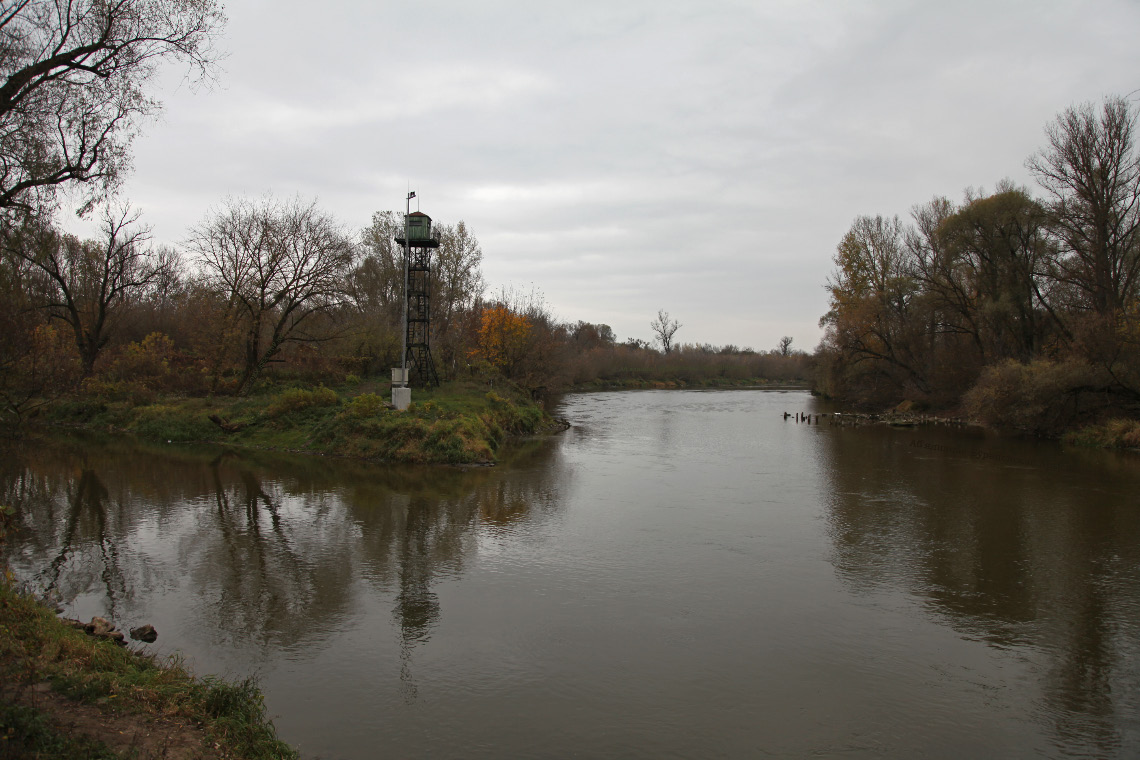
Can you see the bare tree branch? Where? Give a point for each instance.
(72, 86)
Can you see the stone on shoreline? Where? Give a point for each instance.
(145, 634)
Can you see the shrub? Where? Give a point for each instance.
(295, 399)
(1114, 434)
(1042, 397)
(365, 405)
(133, 392)
(147, 361)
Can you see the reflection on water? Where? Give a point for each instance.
(266, 546)
(681, 574)
(1020, 545)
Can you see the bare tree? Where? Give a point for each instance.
(376, 283)
(784, 347)
(458, 278)
(1091, 170)
(664, 329)
(72, 76)
(278, 264)
(88, 281)
(457, 285)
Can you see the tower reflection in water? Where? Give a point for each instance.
(263, 551)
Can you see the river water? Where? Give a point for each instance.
(680, 574)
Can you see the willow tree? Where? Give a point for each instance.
(1000, 258)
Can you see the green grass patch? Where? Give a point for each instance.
(172, 422)
(35, 647)
(458, 423)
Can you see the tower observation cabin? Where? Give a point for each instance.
(420, 234)
(418, 242)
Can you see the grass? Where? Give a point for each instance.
(37, 647)
(458, 423)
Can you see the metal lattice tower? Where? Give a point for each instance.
(418, 242)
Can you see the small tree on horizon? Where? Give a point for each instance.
(664, 329)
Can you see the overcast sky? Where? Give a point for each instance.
(623, 157)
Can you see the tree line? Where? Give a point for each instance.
(1023, 309)
(280, 287)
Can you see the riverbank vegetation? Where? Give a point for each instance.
(112, 334)
(1022, 311)
(178, 328)
(458, 423)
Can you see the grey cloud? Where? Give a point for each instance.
(704, 157)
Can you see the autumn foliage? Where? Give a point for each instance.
(503, 338)
(1022, 310)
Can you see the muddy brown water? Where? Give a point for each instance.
(681, 574)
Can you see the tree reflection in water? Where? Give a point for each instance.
(265, 550)
(74, 520)
(1037, 552)
(260, 559)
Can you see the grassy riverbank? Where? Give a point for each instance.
(66, 694)
(458, 423)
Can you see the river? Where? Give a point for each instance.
(681, 574)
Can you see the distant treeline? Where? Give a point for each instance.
(1024, 310)
(269, 290)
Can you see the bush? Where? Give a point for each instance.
(1042, 397)
(133, 392)
(147, 360)
(1114, 434)
(365, 405)
(295, 399)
